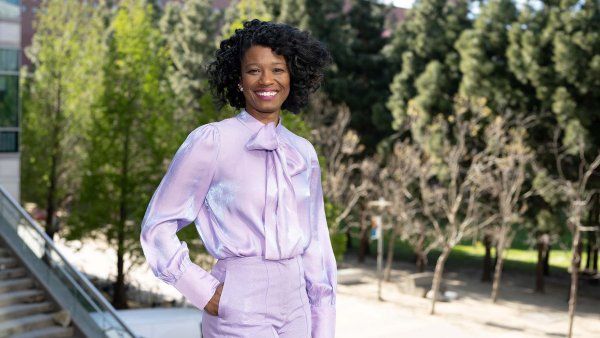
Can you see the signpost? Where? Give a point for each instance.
(377, 223)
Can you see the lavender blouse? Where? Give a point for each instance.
(252, 189)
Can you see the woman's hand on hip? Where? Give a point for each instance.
(212, 307)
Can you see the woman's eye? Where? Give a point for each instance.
(253, 71)
(278, 70)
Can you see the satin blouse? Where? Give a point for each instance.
(252, 189)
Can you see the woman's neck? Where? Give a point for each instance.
(265, 118)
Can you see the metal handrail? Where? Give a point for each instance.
(86, 282)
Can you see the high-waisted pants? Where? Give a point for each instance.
(260, 299)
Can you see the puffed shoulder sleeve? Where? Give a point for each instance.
(174, 205)
(319, 261)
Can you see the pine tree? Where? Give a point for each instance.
(428, 55)
(191, 32)
(483, 61)
(360, 74)
(556, 49)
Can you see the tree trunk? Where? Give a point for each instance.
(390, 254)
(487, 259)
(502, 245)
(592, 257)
(575, 263)
(542, 247)
(437, 276)
(595, 253)
(547, 260)
(420, 256)
(53, 176)
(120, 295)
(54, 160)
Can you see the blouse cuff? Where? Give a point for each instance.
(197, 285)
(323, 321)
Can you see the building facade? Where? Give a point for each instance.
(10, 107)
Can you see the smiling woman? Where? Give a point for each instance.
(266, 80)
(253, 189)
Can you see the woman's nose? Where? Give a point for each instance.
(266, 78)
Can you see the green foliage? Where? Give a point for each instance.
(483, 60)
(292, 12)
(429, 75)
(556, 50)
(190, 32)
(242, 11)
(360, 75)
(131, 132)
(58, 98)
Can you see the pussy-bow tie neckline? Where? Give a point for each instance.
(268, 138)
(283, 235)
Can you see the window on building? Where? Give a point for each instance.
(9, 141)
(9, 101)
(9, 60)
(10, 9)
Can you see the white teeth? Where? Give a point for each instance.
(266, 93)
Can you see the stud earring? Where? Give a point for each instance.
(240, 87)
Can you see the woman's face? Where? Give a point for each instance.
(265, 80)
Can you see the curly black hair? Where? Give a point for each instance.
(305, 56)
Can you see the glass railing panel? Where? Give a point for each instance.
(85, 295)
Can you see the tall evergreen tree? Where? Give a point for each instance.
(556, 49)
(57, 101)
(483, 61)
(429, 75)
(190, 31)
(360, 75)
(131, 136)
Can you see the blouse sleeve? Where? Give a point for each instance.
(174, 205)
(319, 261)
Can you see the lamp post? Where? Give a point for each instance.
(380, 205)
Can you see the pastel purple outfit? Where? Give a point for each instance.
(254, 192)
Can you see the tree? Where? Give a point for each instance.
(502, 172)
(554, 48)
(130, 140)
(449, 194)
(429, 72)
(483, 61)
(347, 180)
(242, 11)
(191, 33)
(399, 181)
(574, 194)
(293, 12)
(58, 99)
(359, 78)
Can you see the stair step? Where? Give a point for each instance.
(47, 332)
(16, 284)
(22, 296)
(5, 253)
(12, 273)
(22, 310)
(24, 324)
(7, 262)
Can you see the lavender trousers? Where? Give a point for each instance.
(260, 299)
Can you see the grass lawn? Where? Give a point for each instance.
(520, 257)
(558, 258)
